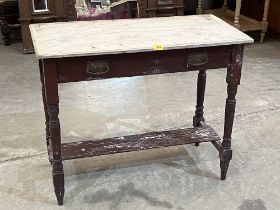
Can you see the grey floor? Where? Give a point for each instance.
(184, 177)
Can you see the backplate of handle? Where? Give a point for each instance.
(198, 59)
(97, 67)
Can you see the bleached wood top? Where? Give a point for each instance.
(84, 38)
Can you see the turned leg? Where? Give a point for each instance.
(226, 152)
(58, 173)
(5, 31)
(199, 7)
(44, 102)
(233, 80)
(51, 92)
(201, 83)
(237, 13)
(264, 20)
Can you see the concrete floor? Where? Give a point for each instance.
(184, 177)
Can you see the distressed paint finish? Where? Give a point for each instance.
(137, 142)
(201, 83)
(47, 117)
(128, 62)
(233, 80)
(74, 69)
(52, 100)
(159, 62)
(66, 39)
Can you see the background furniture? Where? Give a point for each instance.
(128, 9)
(9, 16)
(121, 48)
(160, 8)
(254, 9)
(64, 10)
(239, 21)
(123, 9)
(46, 11)
(191, 5)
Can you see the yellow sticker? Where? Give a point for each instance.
(158, 47)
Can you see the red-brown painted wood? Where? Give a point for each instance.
(52, 100)
(233, 80)
(137, 142)
(76, 69)
(141, 64)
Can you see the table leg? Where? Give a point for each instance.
(233, 80)
(44, 102)
(51, 85)
(5, 31)
(199, 9)
(264, 20)
(201, 83)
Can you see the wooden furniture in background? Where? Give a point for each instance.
(124, 9)
(136, 47)
(239, 21)
(127, 9)
(64, 10)
(47, 11)
(9, 16)
(274, 16)
(254, 9)
(160, 8)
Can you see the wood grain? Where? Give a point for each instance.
(137, 142)
(72, 39)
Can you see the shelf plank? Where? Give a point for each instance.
(138, 142)
(246, 23)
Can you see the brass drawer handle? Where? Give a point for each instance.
(97, 67)
(198, 59)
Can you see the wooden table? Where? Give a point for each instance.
(79, 51)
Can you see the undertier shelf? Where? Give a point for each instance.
(246, 23)
(137, 142)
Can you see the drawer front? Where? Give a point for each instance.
(139, 64)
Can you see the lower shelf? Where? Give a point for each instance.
(138, 142)
(246, 23)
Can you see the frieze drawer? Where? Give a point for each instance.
(137, 64)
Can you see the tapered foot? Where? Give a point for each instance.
(59, 196)
(58, 181)
(224, 168)
(225, 157)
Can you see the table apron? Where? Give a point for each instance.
(76, 69)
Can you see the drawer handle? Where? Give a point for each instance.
(198, 59)
(97, 67)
